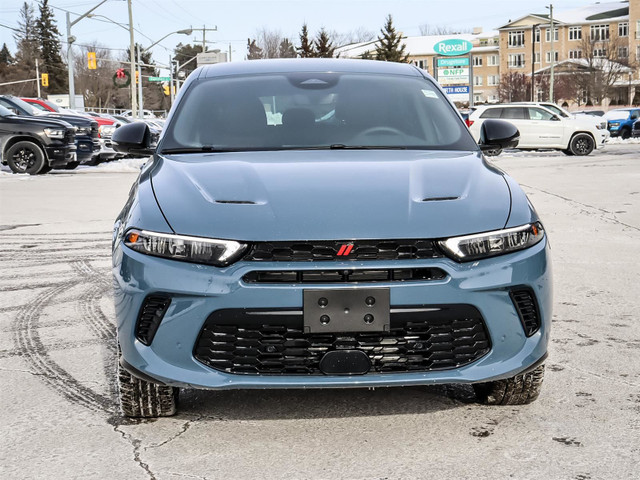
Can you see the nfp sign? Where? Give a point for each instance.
(453, 76)
(452, 47)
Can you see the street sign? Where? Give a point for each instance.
(209, 58)
(453, 76)
(458, 94)
(453, 62)
(453, 47)
(159, 79)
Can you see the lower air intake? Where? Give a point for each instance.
(527, 307)
(151, 313)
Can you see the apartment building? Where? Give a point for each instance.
(605, 31)
(609, 31)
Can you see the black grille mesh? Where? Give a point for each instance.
(151, 313)
(345, 276)
(417, 342)
(328, 250)
(525, 302)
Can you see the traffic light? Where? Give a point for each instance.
(167, 90)
(44, 78)
(91, 58)
(137, 77)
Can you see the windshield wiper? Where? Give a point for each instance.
(341, 146)
(203, 149)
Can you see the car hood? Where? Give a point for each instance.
(325, 195)
(43, 121)
(76, 120)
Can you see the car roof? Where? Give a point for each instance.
(288, 65)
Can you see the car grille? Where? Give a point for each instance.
(345, 275)
(333, 250)
(269, 342)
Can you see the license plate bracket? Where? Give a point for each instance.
(346, 310)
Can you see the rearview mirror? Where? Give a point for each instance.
(133, 138)
(498, 134)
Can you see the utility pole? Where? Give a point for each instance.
(38, 78)
(553, 57)
(70, 40)
(204, 30)
(140, 97)
(132, 57)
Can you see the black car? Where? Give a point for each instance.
(35, 145)
(87, 142)
(636, 129)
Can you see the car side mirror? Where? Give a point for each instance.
(498, 134)
(133, 138)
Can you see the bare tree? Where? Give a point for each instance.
(514, 87)
(269, 41)
(359, 35)
(427, 29)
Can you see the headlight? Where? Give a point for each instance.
(187, 249)
(490, 244)
(106, 130)
(55, 133)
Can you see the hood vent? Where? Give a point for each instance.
(237, 202)
(439, 199)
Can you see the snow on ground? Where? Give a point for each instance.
(124, 165)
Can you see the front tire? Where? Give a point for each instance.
(142, 399)
(625, 133)
(25, 157)
(581, 144)
(519, 390)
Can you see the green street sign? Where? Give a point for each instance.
(159, 79)
(453, 47)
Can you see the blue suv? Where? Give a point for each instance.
(316, 223)
(620, 121)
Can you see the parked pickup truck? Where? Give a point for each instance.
(620, 121)
(87, 142)
(35, 144)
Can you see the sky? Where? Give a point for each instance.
(237, 20)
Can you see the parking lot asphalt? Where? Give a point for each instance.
(59, 412)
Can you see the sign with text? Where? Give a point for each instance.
(458, 94)
(453, 47)
(453, 76)
(159, 79)
(453, 62)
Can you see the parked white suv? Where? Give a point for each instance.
(541, 128)
(561, 112)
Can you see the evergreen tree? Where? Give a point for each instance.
(305, 50)
(323, 46)
(26, 38)
(254, 52)
(286, 49)
(367, 56)
(184, 53)
(48, 38)
(5, 55)
(389, 47)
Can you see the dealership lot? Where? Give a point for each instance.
(57, 351)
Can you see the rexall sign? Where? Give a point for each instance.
(452, 47)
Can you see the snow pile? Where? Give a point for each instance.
(125, 165)
(620, 141)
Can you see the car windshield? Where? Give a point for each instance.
(315, 110)
(617, 114)
(25, 106)
(5, 112)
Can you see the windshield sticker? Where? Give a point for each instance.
(429, 93)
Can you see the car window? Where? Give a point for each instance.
(5, 112)
(492, 113)
(617, 115)
(539, 114)
(515, 113)
(316, 110)
(38, 106)
(635, 114)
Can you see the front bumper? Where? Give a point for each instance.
(198, 290)
(86, 147)
(60, 155)
(106, 151)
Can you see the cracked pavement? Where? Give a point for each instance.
(57, 352)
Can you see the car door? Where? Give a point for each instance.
(519, 117)
(548, 128)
